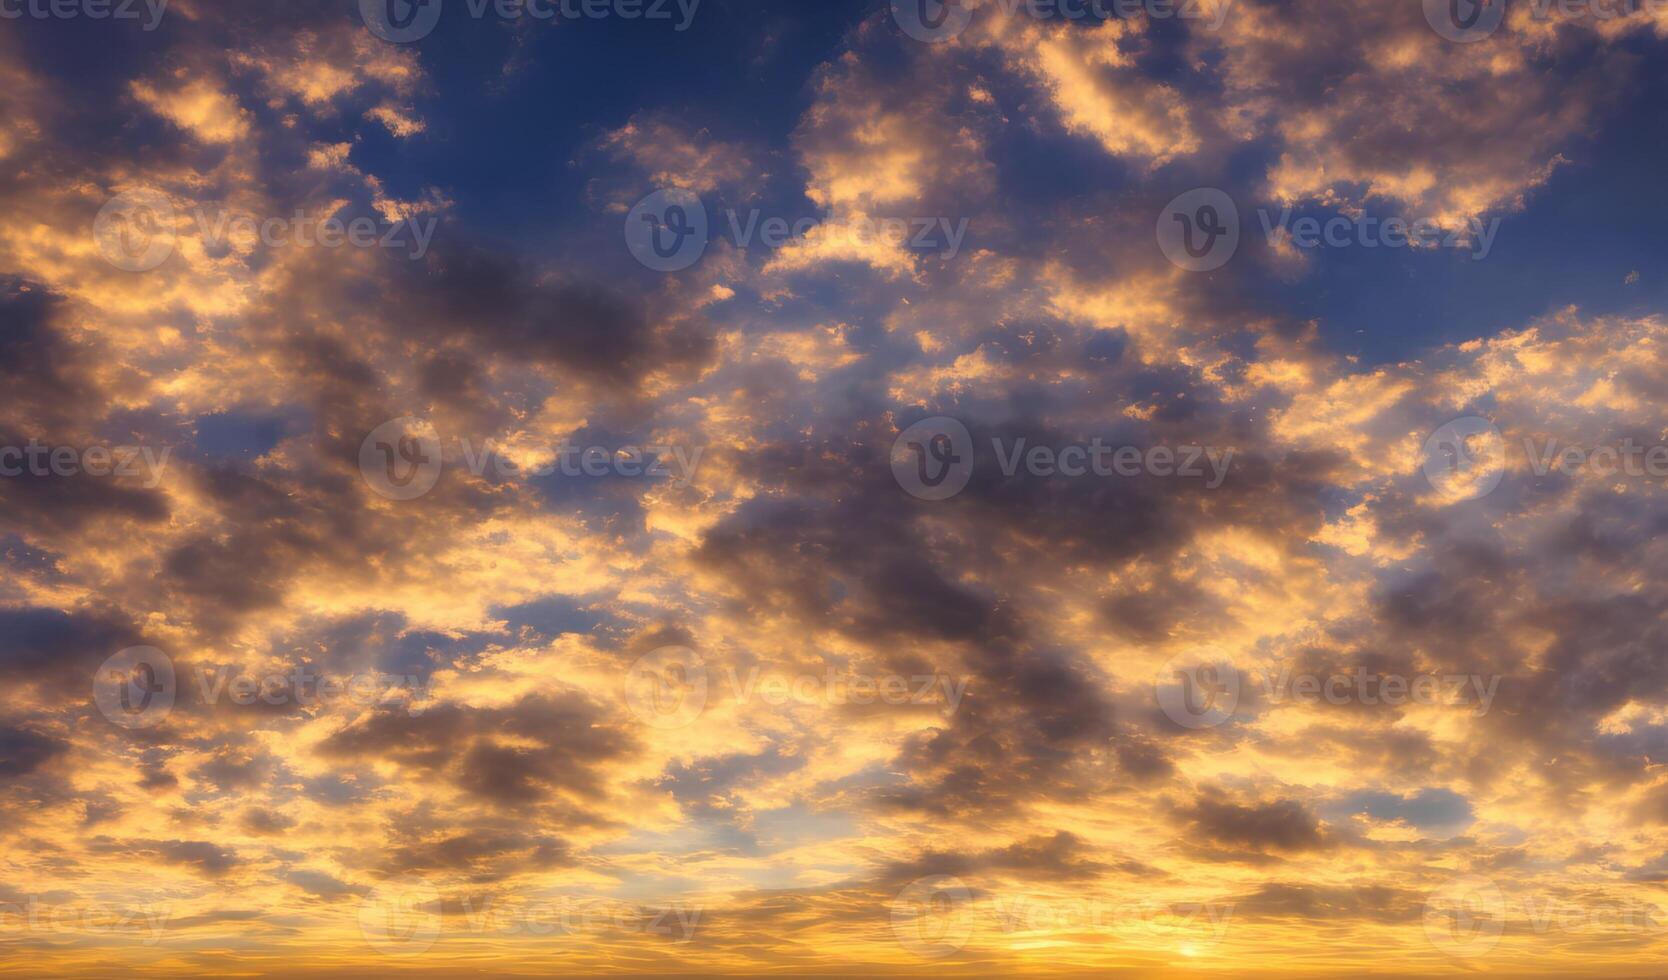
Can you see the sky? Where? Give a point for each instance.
(1152, 488)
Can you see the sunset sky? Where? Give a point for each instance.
(841, 487)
